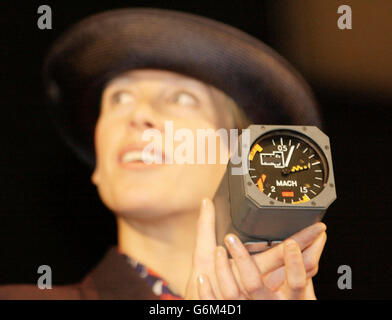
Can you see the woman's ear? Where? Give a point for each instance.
(95, 177)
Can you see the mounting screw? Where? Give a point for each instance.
(249, 183)
(304, 128)
(331, 185)
(271, 202)
(326, 147)
(313, 203)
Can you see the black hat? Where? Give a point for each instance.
(99, 47)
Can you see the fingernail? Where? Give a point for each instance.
(201, 279)
(230, 239)
(321, 227)
(219, 251)
(204, 202)
(290, 243)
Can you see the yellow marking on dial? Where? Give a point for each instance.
(305, 198)
(256, 148)
(260, 182)
(298, 168)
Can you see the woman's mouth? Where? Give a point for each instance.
(140, 159)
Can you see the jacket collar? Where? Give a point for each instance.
(114, 278)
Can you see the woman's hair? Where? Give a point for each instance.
(239, 120)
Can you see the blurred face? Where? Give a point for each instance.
(145, 99)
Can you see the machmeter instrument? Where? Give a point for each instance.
(285, 185)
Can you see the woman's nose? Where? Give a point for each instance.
(141, 124)
(142, 118)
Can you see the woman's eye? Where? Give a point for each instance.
(185, 99)
(122, 97)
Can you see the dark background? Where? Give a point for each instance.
(50, 212)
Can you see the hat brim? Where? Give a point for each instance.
(96, 49)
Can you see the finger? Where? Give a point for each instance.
(309, 291)
(295, 270)
(306, 236)
(205, 237)
(237, 277)
(273, 258)
(311, 257)
(227, 283)
(203, 256)
(204, 288)
(248, 270)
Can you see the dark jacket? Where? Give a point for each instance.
(112, 278)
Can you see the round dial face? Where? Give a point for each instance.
(288, 167)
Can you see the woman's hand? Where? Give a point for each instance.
(282, 272)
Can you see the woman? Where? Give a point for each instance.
(116, 75)
(157, 206)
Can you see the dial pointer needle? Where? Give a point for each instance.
(289, 157)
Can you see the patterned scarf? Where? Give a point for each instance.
(159, 286)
